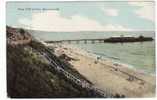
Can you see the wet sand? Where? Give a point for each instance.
(109, 76)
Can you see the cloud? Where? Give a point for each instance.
(145, 11)
(53, 21)
(110, 12)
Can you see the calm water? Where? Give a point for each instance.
(138, 55)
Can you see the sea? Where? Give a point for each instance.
(137, 55)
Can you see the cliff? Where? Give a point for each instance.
(31, 73)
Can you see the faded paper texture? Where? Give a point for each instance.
(96, 49)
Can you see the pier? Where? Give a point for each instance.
(105, 40)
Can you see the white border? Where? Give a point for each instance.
(3, 92)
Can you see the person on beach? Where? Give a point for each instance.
(95, 62)
(97, 59)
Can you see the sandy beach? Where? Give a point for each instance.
(107, 75)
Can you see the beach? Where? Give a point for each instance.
(108, 75)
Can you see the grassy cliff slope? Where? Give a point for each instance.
(29, 74)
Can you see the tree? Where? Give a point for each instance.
(22, 31)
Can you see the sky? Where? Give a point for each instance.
(82, 16)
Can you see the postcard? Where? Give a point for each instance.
(90, 49)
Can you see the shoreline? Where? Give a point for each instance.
(89, 54)
(102, 72)
(121, 63)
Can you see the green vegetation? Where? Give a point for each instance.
(29, 76)
(40, 47)
(22, 31)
